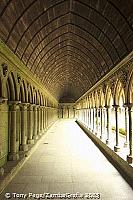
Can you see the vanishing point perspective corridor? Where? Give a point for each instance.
(66, 99)
(67, 162)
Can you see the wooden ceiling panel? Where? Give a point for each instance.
(68, 44)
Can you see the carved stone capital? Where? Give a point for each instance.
(3, 100)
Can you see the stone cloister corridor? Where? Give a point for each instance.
(66, 97)
(68, 162)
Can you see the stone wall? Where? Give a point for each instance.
(27, 109)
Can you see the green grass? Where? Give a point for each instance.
(121, 130)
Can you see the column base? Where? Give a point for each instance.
(35, 137)
(23, 147)
(1, 171)
(31, 141)
(116, 148)
(125, 144)
(107, 141)
(130, 159)
(40, 133)
(13, 156)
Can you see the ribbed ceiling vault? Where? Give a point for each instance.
(68, 44)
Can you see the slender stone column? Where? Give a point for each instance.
(18, 127)
(90, 119)
(24, 130)
(30, 124)
(107, 123)
(104, 120)
(40, 131)
(126, 131)
(88, 122)
(84, 115)
(87, 117)
(46, 119)
(101, 122)
(35, 136)
(42, 118)
(38, 120)
(93, 120)
(68, 112)
(116, 147)
(13, 154)
(130, 115)
(74, 111)
(96, 121)
(61, 110)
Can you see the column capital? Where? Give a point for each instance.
(101, 107)
(42, 106)
(106, 106)
(38, 106)
(116, 106)
(14, 102)
(3, 100)
(34, 107)
(30, 107)
(130, 105)
(125, 105)
(24, 106)
(13, 105)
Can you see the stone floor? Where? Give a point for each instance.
(66, 161)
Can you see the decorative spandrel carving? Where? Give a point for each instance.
(19, 80)
(5, 69)
(112, 85)
(124, 78)
(104, 88)
(28, 86)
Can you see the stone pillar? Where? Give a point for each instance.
(90, 119)
(24, 130)
(42, 119)
(61, 111)
(74, 111)
(13, 154)
(46, 119)
(84, 115)
(104, 120)
(18, 127)
(68, 112)
(35, 136)
(107, 123)
(101, 123)
(38, 120)
(87, 117)
(126, 131)
(96, 121)
(93, 120)
(116, 147)
(130, 115)
(30, 124)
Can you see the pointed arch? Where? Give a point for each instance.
(130, 88)
(11, 87)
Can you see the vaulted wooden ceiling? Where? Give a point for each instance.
(68, 44)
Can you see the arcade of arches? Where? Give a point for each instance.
(72, 65)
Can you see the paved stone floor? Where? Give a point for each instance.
(67, 161)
